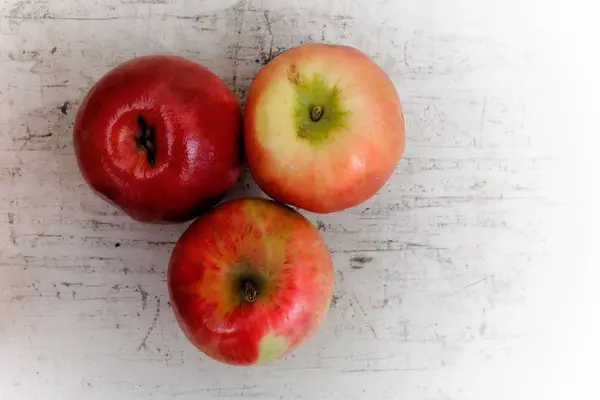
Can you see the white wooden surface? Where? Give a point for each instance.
(454, 282)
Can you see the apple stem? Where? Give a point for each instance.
(145, 140)
(316, 113)
(249, 291)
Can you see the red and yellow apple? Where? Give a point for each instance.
(324, 127)
(249, 281)
(160, 137)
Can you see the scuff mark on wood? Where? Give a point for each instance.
(64, 109)
(485, 278)
(334, 300)
(359, 262)
(373, 331)
(144, 297)
(320, 225)
(69, 284)
(144, 343)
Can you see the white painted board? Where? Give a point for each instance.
(442, 279)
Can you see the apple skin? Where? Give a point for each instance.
(340, 160)
(279, 252)
(160, 137)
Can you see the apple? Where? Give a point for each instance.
(160, 137)
(324, 127)
(249, 281)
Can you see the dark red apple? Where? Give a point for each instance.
(250, 281)
(160, 137)
(324, 127)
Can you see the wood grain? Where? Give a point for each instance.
(434, 276)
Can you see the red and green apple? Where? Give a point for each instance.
(249, 281)
(324, 127)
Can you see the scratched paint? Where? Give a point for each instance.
(430, 299)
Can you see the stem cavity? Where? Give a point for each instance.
(316, 113)
(145, 139)
(249, 291)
